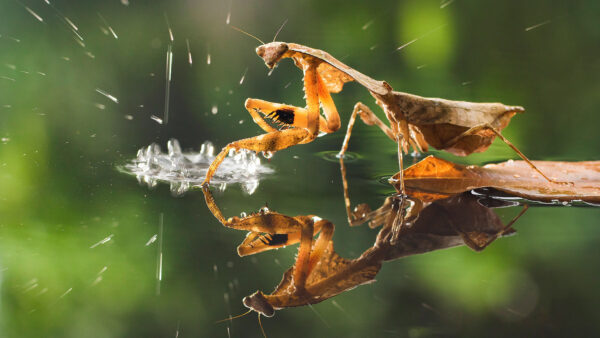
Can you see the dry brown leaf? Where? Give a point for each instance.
(443, 178)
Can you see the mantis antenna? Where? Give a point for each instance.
(232, 318)
(244, 32)
(279, 30)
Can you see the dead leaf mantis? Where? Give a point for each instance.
(458, 127)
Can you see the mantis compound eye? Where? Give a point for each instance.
(260, 50)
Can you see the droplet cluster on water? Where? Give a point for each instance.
(187, 170)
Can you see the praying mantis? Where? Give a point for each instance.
(458, 127)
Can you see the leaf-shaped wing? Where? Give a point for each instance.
(335, 73)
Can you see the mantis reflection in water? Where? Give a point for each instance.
(320, 273)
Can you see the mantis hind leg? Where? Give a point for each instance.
(475, 245)
(487, 126)
(369, 118)
(414, 137)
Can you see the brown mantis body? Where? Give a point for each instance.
(458, 127)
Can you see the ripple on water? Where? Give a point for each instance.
(332, 156)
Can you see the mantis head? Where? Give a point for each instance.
(272, 52)
(259, 303)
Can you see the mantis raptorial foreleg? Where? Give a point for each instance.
(270, 142)
(281, 113)
(304, 123)
(276, 140)
(487, 126)
(272, 230)
(292, 116)
(331, 123)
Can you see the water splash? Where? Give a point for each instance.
(112, 31)
(184, 171)
(537, 25)
(169, 69)
(190, 61)
(107, 95)
(243, 76)
(35, 15)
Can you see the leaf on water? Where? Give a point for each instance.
(434, 178)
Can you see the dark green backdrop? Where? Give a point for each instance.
(61, 141)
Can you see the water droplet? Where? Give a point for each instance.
(214, 110)
(179, 188)
(267, 154)
(157, 119)
(207, 149)
(243, 214)
(173, 147)
(250, 186)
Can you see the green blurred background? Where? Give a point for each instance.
(61, 141)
